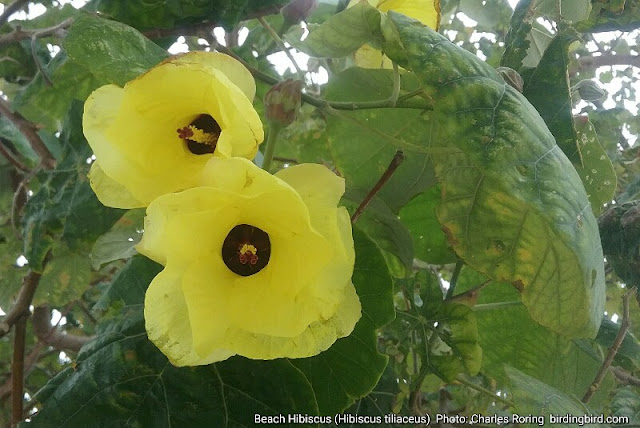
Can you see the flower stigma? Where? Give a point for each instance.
(246, 250)
(201, 136)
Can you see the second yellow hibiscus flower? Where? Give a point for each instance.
(155, 135)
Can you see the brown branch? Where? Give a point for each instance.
(395, 163)
(11, 9)
(624, 327)
(625, 377)
(25, 296)
(29, 362)
(51, 335)
(17, 370)
(8, 154)
(28, 129)
(608, 60)
(19, 34)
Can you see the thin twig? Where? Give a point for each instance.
(28, 129)
(463, 380)
(19, 34)
(11, 158)
(29, 361)
(454, 278)
(276, 38)
(25, 296)
(395, 163)
(34, 54)
(51, 335)
(19, 201)
(624, 327)
(624, 376)
(11, 9)
(286, 160)
(17, 370)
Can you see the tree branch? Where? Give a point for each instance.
(21, 307)
(19, 34)
(624, 327)
(8, 154)
(51, 335)
(11, 9)
(625, 377)
(28, 129)
(592, 62)
(17, 370)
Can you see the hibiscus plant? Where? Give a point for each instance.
(232, 213)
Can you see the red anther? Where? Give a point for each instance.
(185, 132)
(243, 259)
(254, 259)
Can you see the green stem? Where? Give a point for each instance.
(479, 388)
(276, 38)
(497, 305)
(454, 278)
(272, 137)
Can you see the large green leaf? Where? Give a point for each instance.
(532, 397)
(150, 14)
(513, 206)
(351, 368)
(121, 378)
(507, 333)
(64, 278)
(547, 88)
(113, 52)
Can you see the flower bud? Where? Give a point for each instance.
(589, 90)
(511, 77)
(282, 102)
(298, 10)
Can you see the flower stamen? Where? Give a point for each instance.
(201, 135)
(246, 250)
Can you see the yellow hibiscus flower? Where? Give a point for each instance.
(155, 135)
(425, 11)
(257, 265)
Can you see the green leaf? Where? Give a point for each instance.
(64, 278)
(595, 169)
(120, 241)
(508, 334)
(612, 16)
(516, 40)
(532, 397)
(152, 14)
(122, 378)
(48, 105)
(341, 34)
(351, 368)
(547, 88)
(382, 226)
(567, 10)
(626, 402)
(131, 283)
(513, 206)
(9, 132)
(112, 51)
(429, 242)
(363, 143)
(65, 207)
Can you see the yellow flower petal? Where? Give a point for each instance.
(297, 305)
(111, 192)
(425, 11)
(229, 66)
(134, 131)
